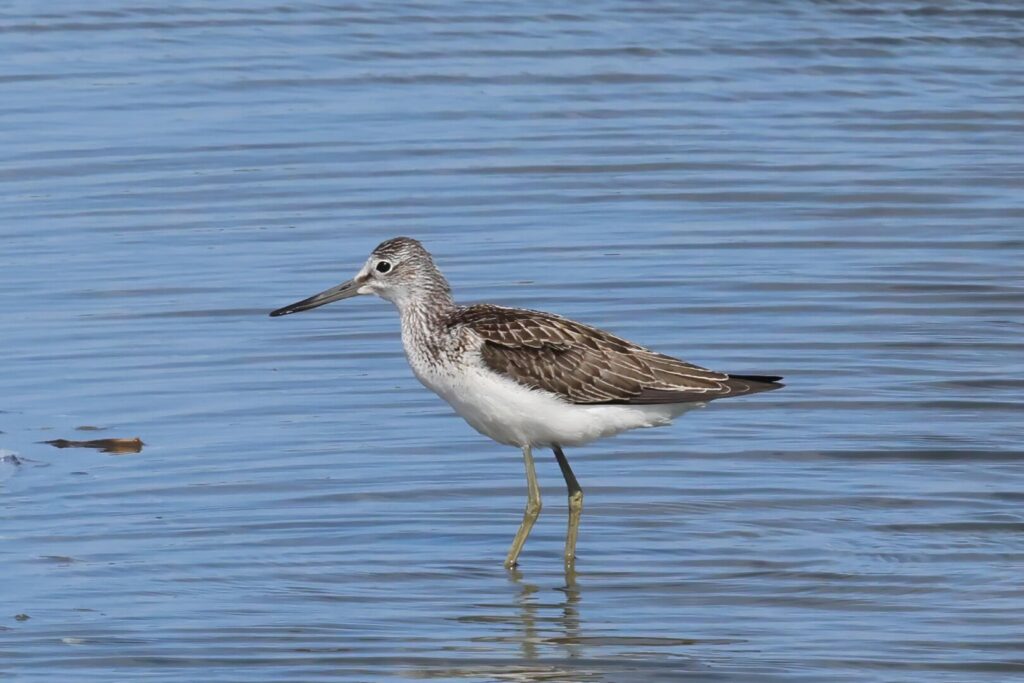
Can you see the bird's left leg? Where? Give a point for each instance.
(575, 505)
(533, 506)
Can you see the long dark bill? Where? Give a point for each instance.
(346, 290)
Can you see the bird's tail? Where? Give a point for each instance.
(753, 384)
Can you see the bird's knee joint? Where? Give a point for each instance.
(533, 509)
(576, 499)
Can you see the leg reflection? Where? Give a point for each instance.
(570, 621)
(543, 622)
(527, 614)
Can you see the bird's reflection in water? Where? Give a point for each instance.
(568, 621)
(571, 614)
(548, 640)
(546, 633)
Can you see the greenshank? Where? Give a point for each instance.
(527, 378)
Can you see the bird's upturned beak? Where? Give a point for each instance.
(346, 290)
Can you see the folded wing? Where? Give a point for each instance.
(585, 365)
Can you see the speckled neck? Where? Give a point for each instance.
(425, 308)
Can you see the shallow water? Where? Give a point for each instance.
(827, 191)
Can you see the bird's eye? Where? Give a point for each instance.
(383, 266)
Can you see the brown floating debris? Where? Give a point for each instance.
(106, 445)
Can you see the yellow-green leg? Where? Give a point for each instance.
(575, 506)
(533, 506)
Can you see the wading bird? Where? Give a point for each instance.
(527, 378)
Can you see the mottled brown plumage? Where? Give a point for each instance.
(585, 365)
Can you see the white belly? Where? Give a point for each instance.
(512, 414)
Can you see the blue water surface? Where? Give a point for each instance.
(826, 191)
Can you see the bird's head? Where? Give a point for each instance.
(399, 270)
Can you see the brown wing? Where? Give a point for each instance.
(586, 365)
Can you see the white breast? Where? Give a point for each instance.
(510, 413)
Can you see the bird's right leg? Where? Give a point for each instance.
(533, 506)
(575, 506)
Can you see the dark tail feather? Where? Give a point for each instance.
(753, 384)
(767, 379)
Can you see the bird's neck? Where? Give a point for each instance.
(424, 327)
(426, 306)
